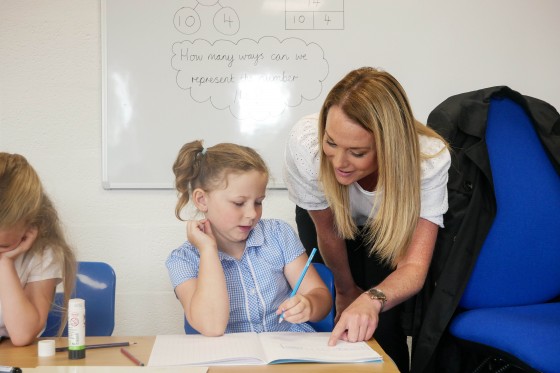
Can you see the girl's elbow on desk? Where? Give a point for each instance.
(214, 332)
(210, 328)
(22, 340)
(25, 331)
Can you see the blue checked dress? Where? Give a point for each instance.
(256, 283)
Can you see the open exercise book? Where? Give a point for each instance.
(256, 349)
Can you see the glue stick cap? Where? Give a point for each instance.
(76, 354)
(46, 348)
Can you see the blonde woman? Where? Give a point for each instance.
(34, 255)
(370, 185)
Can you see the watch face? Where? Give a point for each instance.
(377, 294)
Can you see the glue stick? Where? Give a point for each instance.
(76, 329)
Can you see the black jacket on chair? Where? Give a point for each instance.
(461, 120)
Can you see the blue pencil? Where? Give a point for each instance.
(294, 291)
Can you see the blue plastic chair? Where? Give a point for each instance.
(325, 325)
(95, 283)
(505, 310)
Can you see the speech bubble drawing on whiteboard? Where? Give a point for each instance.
(253, 79)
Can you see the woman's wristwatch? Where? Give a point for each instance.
(374, 294)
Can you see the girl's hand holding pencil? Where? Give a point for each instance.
(298, 303)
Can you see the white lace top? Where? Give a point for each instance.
(301, 175)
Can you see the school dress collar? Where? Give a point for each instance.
(254, 241)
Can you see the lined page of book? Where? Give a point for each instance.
(313, 347)
(196, 349)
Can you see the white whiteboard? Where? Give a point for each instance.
(245, 71)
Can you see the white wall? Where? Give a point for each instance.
(50, 111)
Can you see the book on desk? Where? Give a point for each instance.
(257, 349)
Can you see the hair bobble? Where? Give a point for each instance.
(201, 153)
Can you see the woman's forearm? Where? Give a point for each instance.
(333, 249)
(409, 276)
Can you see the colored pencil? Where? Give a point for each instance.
(294, 291)
(131, 357)
(101, 345)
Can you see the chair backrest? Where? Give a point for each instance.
(325, 325)
(188, 328)
(518, 262)
(95, 283)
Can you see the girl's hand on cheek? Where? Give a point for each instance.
(199, 233)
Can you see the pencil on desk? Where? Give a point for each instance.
(294, 291)
(101, 345)
(131, 357)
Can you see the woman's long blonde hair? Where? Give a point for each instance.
(376, 101)
(23, 200)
